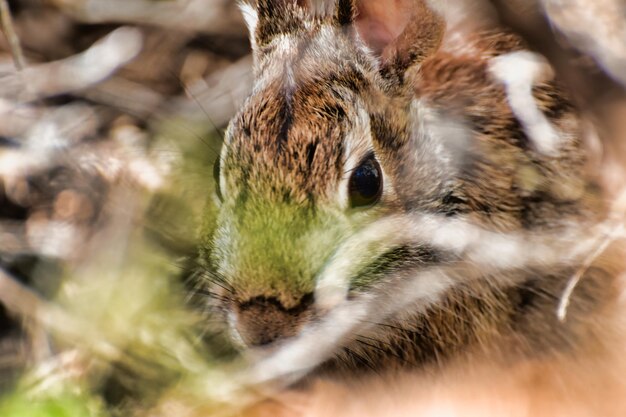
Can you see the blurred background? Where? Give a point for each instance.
(111, 116)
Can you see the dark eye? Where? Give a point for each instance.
(216, 177)
(366, 183)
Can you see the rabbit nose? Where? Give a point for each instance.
(262, 320)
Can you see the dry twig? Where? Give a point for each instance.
(9, 32)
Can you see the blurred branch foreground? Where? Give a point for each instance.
(109, 118)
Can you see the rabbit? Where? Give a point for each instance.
(434, 178)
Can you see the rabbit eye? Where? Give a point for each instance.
(366, 183)
(216, 177)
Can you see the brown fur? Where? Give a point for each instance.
(291, 142)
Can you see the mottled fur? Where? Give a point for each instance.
(327, 94)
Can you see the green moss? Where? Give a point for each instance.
(64, 405)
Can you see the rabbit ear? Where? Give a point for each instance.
(402, 33)
(267, 19)
(250, 16)
(345, 12)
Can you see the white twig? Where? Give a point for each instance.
(75, 73)
(208, 16)
(603, 244)
(616, 228)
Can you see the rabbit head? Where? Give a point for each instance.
(368, 153)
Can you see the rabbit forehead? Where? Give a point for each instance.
(316, 50)
(289, 140)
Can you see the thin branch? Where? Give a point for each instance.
(591, 87)
(20, 300)
(9, 32)
(76, 72)
(603, 243)
(616, 228)
(207, 16)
